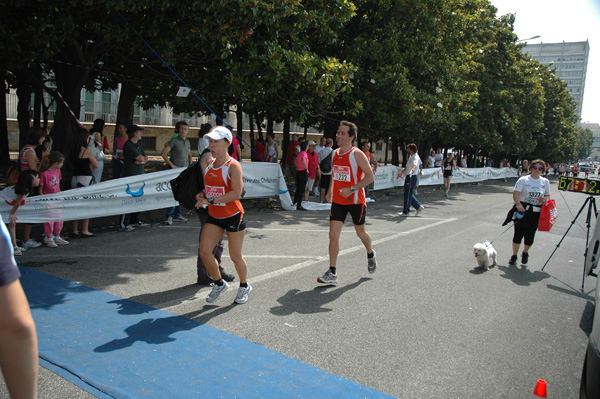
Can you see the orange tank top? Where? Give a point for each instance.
(346, 173)
(217, 183)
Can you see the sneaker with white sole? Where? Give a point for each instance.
(126, 228)
(169, 221)
(420, 209)
(372, 263)
(328, 278)
(180, 219)
(50, 243)
(17, 251)
(31, 243)
(242, 294)
(403, 214)
(216, 291)
(142, 224)
(60, 241)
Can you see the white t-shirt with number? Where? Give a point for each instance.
(532, 191)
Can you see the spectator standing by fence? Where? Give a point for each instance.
(180, 153)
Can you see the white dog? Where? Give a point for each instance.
(485, 254)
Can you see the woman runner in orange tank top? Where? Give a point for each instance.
(223, 189)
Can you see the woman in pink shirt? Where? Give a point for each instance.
(301, 176)
(120, 140)
(313, 168)
(50, 178)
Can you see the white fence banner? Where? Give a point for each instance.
(137, 194)
(385, 176)
(153, 191)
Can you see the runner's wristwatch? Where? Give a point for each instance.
(352, 189)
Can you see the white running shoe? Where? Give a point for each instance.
(420, 209)
(50, 243)
(17, 251)
(180, 219)
(31, 243)
(60, 241)
(372, 263)
(242, 294)
(403, 214)
(216, 291)
(169, 221)
(328, 278)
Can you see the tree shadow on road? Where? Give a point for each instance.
(309, 302)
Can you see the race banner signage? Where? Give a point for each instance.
(135, 194)
(153, 191)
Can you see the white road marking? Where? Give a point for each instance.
(172, 305)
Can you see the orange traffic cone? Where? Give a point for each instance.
(540, 390)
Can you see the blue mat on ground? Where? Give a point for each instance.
(114, 347)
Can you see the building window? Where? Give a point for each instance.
(193, 143)
(148, 143)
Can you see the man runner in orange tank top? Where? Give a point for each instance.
(351, 174)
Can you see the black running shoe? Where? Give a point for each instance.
(227, 277)
(524, 258)
(513, 260)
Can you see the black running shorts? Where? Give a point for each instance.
(357, 211)
(232, 224)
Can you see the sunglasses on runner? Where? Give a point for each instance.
(541, 168)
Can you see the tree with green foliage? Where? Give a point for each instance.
(584, 142)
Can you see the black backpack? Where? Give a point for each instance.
(325, 164)
(189, 183)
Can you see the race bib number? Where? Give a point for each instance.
(341, 173)
(215, 192)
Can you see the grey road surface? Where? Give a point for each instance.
(427, 324)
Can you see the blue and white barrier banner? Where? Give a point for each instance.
(153, 191)
(386, 176)
(134, 194)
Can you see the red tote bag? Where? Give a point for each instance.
(548, 216)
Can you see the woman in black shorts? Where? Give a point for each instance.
(448, 167)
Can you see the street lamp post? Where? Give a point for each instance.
(530, 38)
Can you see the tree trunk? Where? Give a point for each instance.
(127, 97)
(23, 106)
(4, 149)
(286, 136)
(330, 127)
(70, 80)
(395, 157)
(259, 126)
(387, 145)
(240, 128)
(252, 142)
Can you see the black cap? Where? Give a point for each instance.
(132, 129)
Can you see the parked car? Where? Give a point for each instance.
(590, 383)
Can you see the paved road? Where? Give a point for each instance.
(426, 324)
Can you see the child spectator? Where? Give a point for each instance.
(50, 178)
(28, 179)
